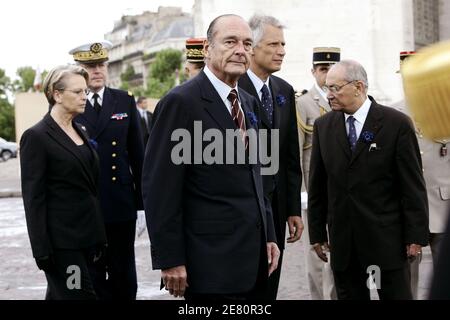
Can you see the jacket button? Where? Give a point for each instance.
(114, 178)
(421, 152)
(114, 155)
(114, 167)
(114, 143)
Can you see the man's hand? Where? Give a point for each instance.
(321, 250)
(273, 254)
(296, 227)
(175, 280)
(413, 251)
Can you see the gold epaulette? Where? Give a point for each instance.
(308, 146)
(303, 126)
(322, 111)
(130, 93)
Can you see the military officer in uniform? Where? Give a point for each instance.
(310, 106)
(436, 171)
(113, 124)
(195, 61)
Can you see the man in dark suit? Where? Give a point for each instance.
(146, 118)
(113, 122)
(276, 110)
(210, 228)
(366, 182)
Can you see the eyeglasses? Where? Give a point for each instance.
(77, 92)
(335, 88)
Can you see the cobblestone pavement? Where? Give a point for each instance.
(20, 278)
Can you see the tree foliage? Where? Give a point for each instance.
(162, 74)
(26, 75)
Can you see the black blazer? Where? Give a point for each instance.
(374, 199)
(59, 190)
(284, 188)
(117, 132)
(212, 218)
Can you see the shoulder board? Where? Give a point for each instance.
(130, 93)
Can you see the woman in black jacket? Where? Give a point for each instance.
(59, 185)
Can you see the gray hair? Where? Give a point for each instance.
(55, 79)
(354, 71)
(257, 24)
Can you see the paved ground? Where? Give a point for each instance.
(20, 278)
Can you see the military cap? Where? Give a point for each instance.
(326, 55)
(93, 52)
(426, 82)
(404, 55)
(194, 50)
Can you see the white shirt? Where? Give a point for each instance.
(322, 93)
(143, 114)
(222, 89)
(360, 117)
(99, 99)
(257, 82)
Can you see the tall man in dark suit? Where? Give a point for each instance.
(276, 111)
(211, 230)
(146, 118)
(113, 123)
(366, 182)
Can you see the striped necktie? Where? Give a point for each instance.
(237, 115)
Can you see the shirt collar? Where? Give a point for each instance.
(100, 96)
(221, 87)
(361, 114)
(257, 82)
(320, 90)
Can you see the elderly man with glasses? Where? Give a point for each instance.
(366, 184)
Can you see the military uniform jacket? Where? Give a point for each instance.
(310, 106)
(117, 134)
(436, 171)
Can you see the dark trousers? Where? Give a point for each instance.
(351, 284)
(258, 292)
(117, 280)
(71, 277)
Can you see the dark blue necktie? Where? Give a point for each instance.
(352, 132)
(267, 104)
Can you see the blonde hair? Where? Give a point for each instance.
(56, 77)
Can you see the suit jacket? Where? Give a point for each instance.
(146, 127)
(59, 189)
(310, 106)
(283, 188)
(212, 218)
(436, 171)
(374, 200)
(117, 131)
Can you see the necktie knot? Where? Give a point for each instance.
(266, 101)
(232, 96)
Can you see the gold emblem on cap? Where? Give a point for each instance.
(96, 47)
(328, 56)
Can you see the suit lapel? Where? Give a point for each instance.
(276, 106)
(218, 111)
(83, 134)
(108, 106)
(372, 124)
(341, 133)
(247, 84)
(64, 140)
